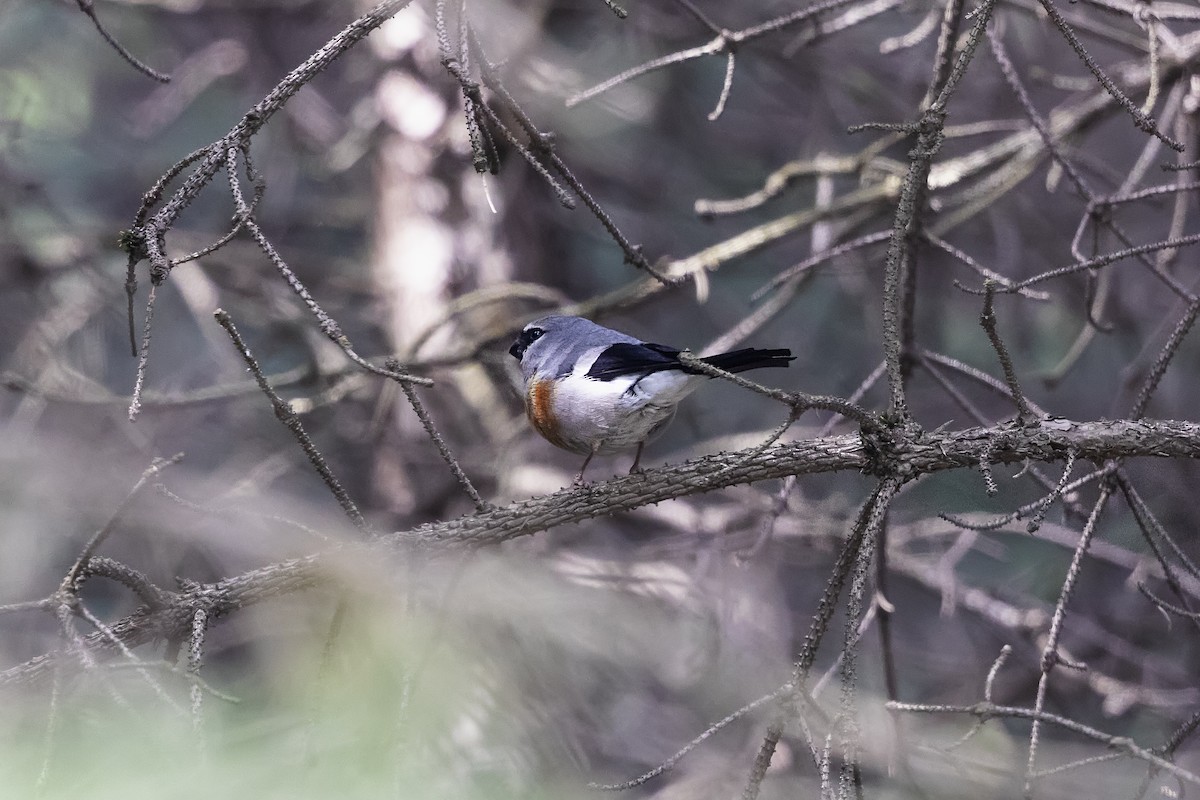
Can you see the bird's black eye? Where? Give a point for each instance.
(523, 341)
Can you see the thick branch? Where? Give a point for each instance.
(903, 456)
(174, 619)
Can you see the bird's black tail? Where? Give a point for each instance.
(749, 358)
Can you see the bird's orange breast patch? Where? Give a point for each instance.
(539, 407)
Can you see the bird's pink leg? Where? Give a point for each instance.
(579, 478)
(637, 460)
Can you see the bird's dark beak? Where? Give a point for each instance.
(517, 350)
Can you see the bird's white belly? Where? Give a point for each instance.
(613, 416)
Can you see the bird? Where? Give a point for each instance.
(596, 391)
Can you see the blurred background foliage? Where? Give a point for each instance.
(591, 653)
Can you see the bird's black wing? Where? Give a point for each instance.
(633, 359)
(643, 358)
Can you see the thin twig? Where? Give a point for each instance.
(1165, 606)
(913, 188)
(990, 710)
(1165, 356)
(726, 86)
(285, 414)
(133, 660)
(195, 659)
(542, 143)
(456, 469)
(135, 402)
(794, 400)
(988, 320)
(1144, 122)
(86, 7)
(721, 44)
(146, 239)
(70, 583)
(846, 723)
(1094, 205)
(709, 732)
(1050, 653)
(861, 537)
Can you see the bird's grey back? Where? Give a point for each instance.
(567, 339)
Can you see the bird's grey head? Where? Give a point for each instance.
(550, 346)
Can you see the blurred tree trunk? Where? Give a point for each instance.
(434, 238)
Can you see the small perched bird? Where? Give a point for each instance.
(590, 389)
